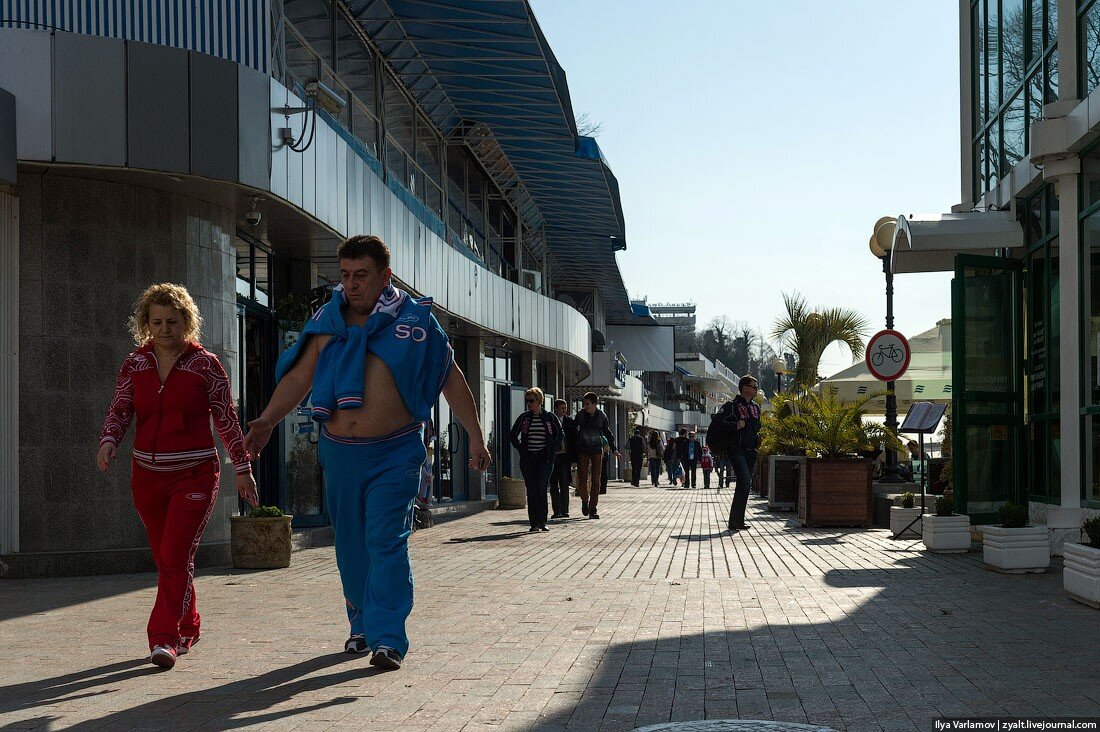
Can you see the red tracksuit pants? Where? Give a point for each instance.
(175, 507)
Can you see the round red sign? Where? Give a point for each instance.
(887, 355)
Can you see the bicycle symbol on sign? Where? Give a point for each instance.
(886, 351)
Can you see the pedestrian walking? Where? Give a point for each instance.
(174, 386)
(743, 414)
(376, 360)
(655, 451)
(706, 462)
(637, 457)
(566, 456)
(672, 461)
(689, 451)
(536, 434)
(592, 425)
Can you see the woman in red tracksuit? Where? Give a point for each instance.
(173, 386)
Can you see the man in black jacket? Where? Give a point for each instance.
(591, 424)
(744, 414)
(563, 460)
(637, 457)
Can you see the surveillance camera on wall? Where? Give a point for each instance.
(325, 98)
(253, 218)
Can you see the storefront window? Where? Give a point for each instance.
(1042, 304)
(1090, 322)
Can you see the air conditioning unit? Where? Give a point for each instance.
(784, 473)
(531, 279)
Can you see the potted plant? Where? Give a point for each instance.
(1081, 570)
(903, 518)
(835, 486)
(1014, 546)
(261, 540)
(512, 492)
(946, 532)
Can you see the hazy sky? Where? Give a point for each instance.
(756, 144)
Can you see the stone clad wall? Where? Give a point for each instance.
(88, 248)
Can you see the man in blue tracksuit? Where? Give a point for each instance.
(376, 361)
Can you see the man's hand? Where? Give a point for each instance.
(246, 488)
(480, 459)
(740, 424)
(103, 458)
(259, 432)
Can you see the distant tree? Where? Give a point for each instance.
(587, 127)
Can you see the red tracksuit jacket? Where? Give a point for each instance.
(173, 421)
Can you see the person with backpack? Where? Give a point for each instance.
(566, 455)
(706, 462)
(536, 434)
(592, 429)
(741, 420)
(672, 463)
(637, 454)
(655, 452)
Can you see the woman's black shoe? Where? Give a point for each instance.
(543, 528)
(584, 507)
(532, 530)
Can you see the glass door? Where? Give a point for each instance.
(987, 403)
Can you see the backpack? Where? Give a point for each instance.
(707, 463)
(720, 434)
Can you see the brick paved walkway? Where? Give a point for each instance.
(651, 614)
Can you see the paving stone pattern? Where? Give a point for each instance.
(652, 614)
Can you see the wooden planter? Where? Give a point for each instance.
(260, 543)
(1081, 573)
(835, 492)
(760, 477)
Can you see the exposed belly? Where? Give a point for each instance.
(383, 409)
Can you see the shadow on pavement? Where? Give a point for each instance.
(917, 646)
(701, 537)
(252, 694)
(488, 537)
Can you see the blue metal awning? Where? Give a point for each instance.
(469, 62)
(681, 370)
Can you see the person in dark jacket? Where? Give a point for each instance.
(563, 460)
(536, 434)
(637, 457)
(744, 414)
(671, 460)
(656, 453)
(592, 425)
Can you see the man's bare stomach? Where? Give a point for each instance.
(383, 409)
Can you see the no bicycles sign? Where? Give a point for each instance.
(887, 355)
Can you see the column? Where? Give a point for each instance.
(9, 374)
(1064, 521)
(473, 370)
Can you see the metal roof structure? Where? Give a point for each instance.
(471, 62)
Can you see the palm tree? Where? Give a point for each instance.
(808, 332)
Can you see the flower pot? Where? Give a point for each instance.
(1016, 551)
(835, 492)
(946, 534)
(900, 518)
(1081, 573)
(511, 493)
(260, 543)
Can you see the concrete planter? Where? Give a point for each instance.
(1081, 573)
(902, 517)
(511, 493)
(260, 543)
(946, 534)
(1016, 551)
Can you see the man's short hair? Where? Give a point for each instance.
(748, 380)
(365, 245)
(560, 403)
(591, 397)
(683, 431)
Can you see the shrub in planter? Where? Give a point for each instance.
(1014, 547)
(261, 540)
(945, 532)
(1081, 570)
(903, 518)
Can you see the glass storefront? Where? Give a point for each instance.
(1090, 322)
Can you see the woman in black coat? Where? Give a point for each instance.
(536, 434)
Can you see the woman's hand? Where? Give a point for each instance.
(103, 458)
(246, 488)
(259, 432)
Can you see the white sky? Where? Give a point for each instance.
(756, 144)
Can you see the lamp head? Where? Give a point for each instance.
(875, 248)
(779, 366)
(884, 233)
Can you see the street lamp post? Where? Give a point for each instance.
(882, 245)
(779, 366)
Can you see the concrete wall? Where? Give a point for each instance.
(87, 250)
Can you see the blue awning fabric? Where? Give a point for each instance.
(681, 370)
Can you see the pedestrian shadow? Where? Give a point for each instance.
(251, 694)
(517, 522)
(701, 537)
(488, 537)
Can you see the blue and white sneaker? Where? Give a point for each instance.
(386, 658)
(357, 643)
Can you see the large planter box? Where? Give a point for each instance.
(946, 534)
(1081, 573)
(783, 481)
(260, 543)
(900, 518)
(511, 493)
(835, 492)
(1016, 551)
(760, 476)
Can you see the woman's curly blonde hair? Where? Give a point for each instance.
(175, 296)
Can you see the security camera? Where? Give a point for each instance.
(325, 98)
(253, 218)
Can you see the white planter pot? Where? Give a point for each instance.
(902, 517)
(946, 534)
(1016, 551)
(1081, 573)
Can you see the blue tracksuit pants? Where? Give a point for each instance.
(370, 485)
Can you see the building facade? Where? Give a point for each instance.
(230, 146)
(1024, 245)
